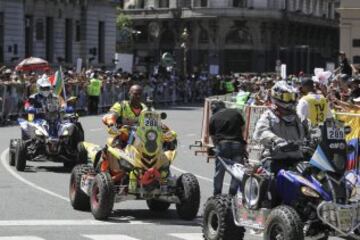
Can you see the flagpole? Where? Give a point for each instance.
(63, 85)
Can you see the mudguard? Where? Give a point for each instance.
(92, 150)
(288, 184)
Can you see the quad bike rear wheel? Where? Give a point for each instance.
(79, 200)
(283, 223)
(157, 205)
(20, 156)
(218, 221)
(102, 196)
(188, 191)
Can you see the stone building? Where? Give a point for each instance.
(350, 29)
(236, 35)
(58, 30)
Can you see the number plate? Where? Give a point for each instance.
(335, 133)
(345, 218)
(150, 122)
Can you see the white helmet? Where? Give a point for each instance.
(284, 97)
(43, 86)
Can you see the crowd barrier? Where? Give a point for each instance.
(252, 114)
(13, 95)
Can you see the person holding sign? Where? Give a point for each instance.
(313, 106)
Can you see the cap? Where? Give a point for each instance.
(357, 100)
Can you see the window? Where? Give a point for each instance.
(164, 4)
(356, 59)
(1, 37)
(239, 3)
(78, 31)
(356, 42)
(39, 29)
(203, 36)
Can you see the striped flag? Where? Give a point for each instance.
(57, 82)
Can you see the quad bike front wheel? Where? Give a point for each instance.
(78, 199)
(283, 223)
(102, 196)
(218, 221)
(157, 205)
(11, 154)
(188, 191)
(20, 156)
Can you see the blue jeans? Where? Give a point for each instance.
(232, 152)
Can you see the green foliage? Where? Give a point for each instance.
(123, 21)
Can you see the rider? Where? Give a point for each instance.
(39, 101)
(127, 113)
(279, 127)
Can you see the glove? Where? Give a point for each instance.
(280, 143)
(113, 129)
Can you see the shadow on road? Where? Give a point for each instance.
(169, 217)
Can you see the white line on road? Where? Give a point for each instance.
(198, 176)
(187, 236)
(31, 184)
(96, 129)
(21, 238)
(49, 222)
(110, 237)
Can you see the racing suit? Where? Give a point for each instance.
(272, 130)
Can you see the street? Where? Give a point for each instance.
(34, 204)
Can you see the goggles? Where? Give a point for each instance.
(45, 88)
(285, 97)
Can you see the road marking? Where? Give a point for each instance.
(187, 236)
(191, 135)
(198, 176)
(96, 129)
(110, 237)
(21, 238)
(31, 184)
(49, 222)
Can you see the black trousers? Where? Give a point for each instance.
(93, 105)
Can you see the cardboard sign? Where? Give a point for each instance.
(78, 65)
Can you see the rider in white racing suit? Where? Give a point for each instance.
(279, 127)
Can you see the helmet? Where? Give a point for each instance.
(43, 86)
(284, 96)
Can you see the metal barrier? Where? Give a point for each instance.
(13, 96)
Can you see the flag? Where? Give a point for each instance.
(352, 119)
(57, 82)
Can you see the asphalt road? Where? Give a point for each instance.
(34, 204)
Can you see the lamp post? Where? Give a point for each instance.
(184, 38)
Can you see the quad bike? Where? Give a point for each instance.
(316, 199)
(54, 137)
(138, 170)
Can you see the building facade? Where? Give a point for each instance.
(236, 35)
(60, 31)
(350, 29)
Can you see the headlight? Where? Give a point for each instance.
(65, 133)
(339, 162)
(309, 192)
(151, 136)
(38, 133)
(125, 164)
(252, 191)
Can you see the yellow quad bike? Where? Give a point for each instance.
(138, 171)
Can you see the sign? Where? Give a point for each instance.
(124, 61)
(214, 69)
(167, 59)
(283, 71)
(78, 65)
(330, 66)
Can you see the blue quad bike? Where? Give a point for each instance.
(54, 137)
(315, 199)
